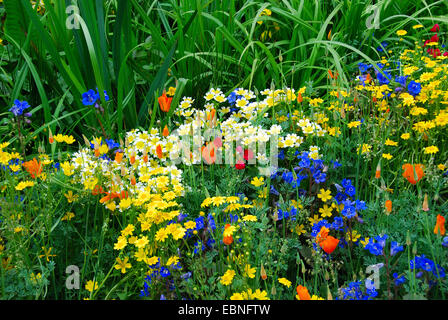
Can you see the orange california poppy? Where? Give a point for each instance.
(388, 206)
(133, 181)
(97, 190)
(413, 173)
(165, 102)
(209, 153)
(33, 167)
(322, 235)
(165, 131)
(329, 244)
(302, 293)
(118, 157)
(227, 240)
(440, 225)
(299, 98)
(159, 151)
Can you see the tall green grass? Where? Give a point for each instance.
(134, 49)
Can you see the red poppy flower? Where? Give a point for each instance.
(240, 165)
(435, 28)
(248, 155)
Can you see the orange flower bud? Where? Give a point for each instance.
(263, 274)
(165, 132)
(378, 171)
(425, 206)
(50, 138)
(159, 151)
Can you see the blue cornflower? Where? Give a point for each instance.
(414, 88)
(18, 107)
(165, 272)
(401, 80)
(304, 160)
(384, 44)
(273, 191)
(384, 79)
(233, 218)
(90, 97)
(186, 276)
(349, 210)
(445, 242)
(211, 222)
(399, 280)
(210, 242)
(340, 197)
(232, 98)
(200, 223)
(281, 154)
(319, 177)
(336, 164)
(360, 205)
(363, 67)
(354, 292)
(381, 240)
(374, 248)
(395, 248)
(346, 183)
(338, 224)
(111, 144)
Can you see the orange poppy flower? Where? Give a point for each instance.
(299, 98)
(440, 225)
(388, 206)
(118, 157)
(329, 244)
(302, 293)
(326, 242)
(113, 195)
(165, 102)
(97, 190)
(209, 153)
(227, 240)
(413, 173)
(33, 167)
(159, 151)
